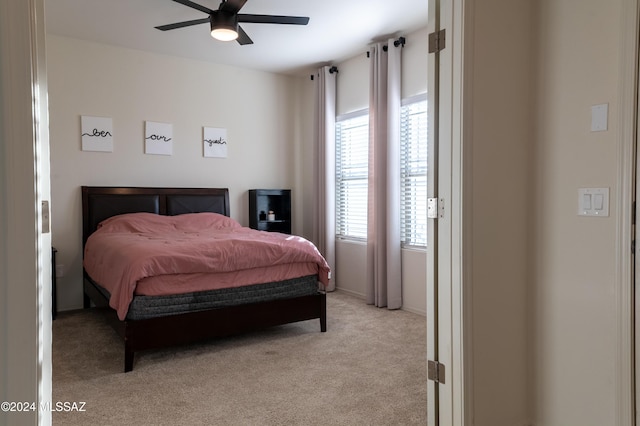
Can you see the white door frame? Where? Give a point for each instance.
(628, 274)
(461, 19)
(433, 400)
(626, 367)
(25, 251)
(450, 284)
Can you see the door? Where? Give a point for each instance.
(433, 329)
(439, 228)
(449, 354)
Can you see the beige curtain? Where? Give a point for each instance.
(324, 219)
(384, 277)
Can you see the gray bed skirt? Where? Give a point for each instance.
(145, 307)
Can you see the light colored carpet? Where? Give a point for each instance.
(369, 368)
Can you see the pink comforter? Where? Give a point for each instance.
(127, 248)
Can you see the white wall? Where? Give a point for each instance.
(132, 86)
(352, 95)
(574, 263)
(500, 147)
(543, 278)
(303, 119)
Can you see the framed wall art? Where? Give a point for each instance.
(96, 133)
(215, 142)
(158, 138)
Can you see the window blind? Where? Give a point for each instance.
(352, 139)
(413, 157)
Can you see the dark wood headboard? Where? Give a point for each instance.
(102, 202)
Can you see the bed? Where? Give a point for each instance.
(151, 321)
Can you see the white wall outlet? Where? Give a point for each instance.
(593, 202)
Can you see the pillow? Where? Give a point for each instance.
(155, 223)
(193, 222)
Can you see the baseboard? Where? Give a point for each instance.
(363, 297)
(415, 311)
(351, 293)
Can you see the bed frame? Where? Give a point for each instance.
(99, 203)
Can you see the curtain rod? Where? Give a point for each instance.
(331, 71)
(398, 42)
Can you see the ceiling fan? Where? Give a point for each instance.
(224, 21)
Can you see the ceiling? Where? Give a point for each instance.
(337, 29)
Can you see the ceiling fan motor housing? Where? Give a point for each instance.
(224, 20)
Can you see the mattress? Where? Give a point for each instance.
(146, 307)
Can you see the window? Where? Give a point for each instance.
(413, 169)
(352, 139)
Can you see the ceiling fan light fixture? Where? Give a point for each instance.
(224, 26)
(224, 34)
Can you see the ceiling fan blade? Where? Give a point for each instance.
(273, 19)
(182, 24)
(194, 6)
(243, 38)
(232, 6)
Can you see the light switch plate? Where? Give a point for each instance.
(599, 117)
(593, 202)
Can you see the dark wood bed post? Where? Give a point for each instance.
(128, 357)
(323, 312)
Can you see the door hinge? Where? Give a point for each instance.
(437, 41)
(435, 208)
(436, 371)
